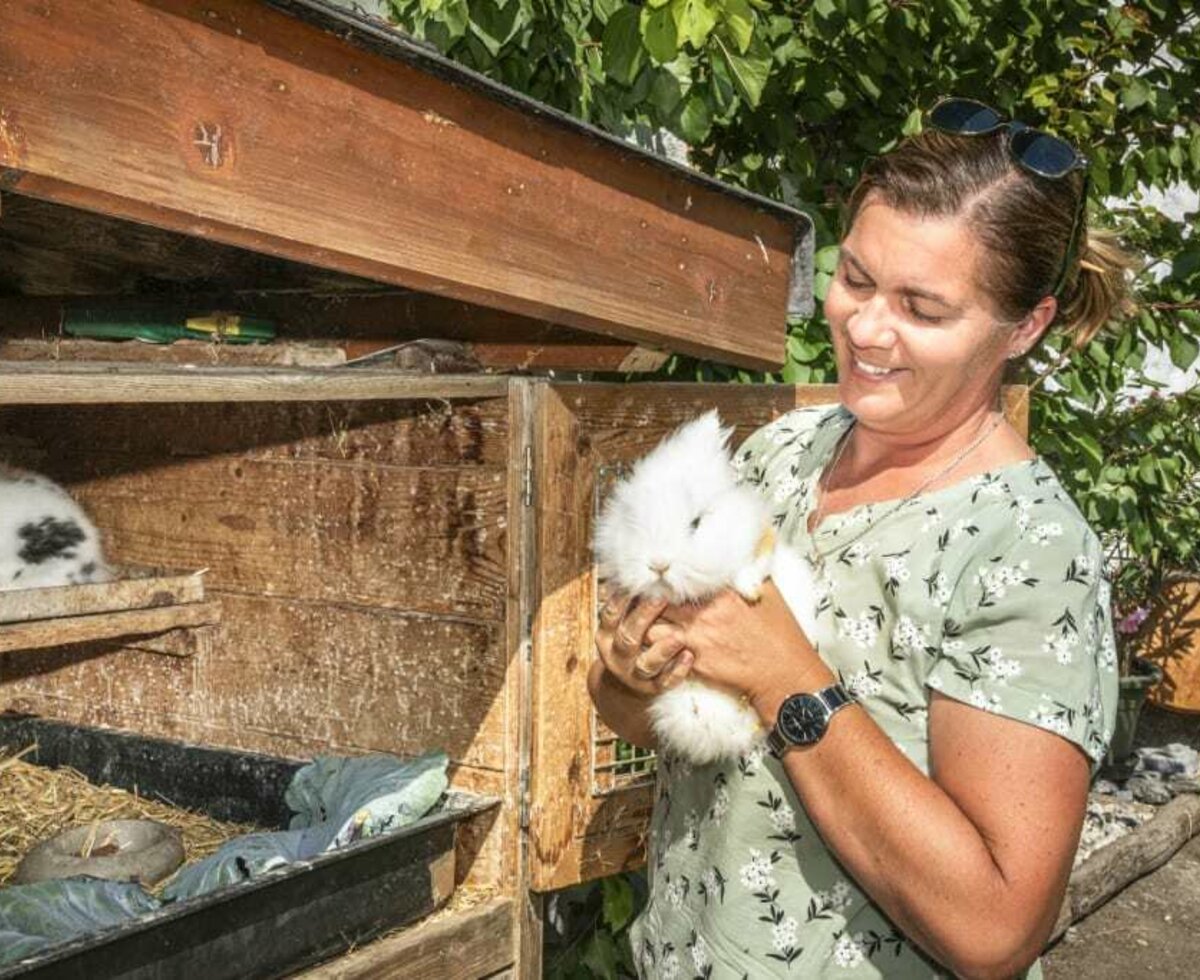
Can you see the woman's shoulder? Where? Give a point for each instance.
(799, 431)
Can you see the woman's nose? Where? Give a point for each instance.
(870, 324)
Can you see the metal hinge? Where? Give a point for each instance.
(528, 478)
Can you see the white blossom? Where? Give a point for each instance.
(752, 760)
(757, 876)
(700, 957)
(909, 637)
(783, 819)
(1024, 504)
(720, 805)
(848, 952)
(863, 685)
(669, 966)
(863, 629)
(940, 589)
(896, 567)
(1061, 646)
(989, 702)
(786, 488)
(1000, 668)
(933, 518)
(1044, 532)
(674, 895)
(1048, 715)
(837, 899)
(783, 934)
(996, 579)
(858, 554)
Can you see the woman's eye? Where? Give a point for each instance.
(854, 283)
(696, 522)
(924, 317)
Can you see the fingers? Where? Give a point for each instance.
(651, 661)
(629, 636)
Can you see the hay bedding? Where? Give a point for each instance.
(37, 802)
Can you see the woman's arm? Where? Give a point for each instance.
(970, 864)
(622, 710)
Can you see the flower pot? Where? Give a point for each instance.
(1132, 696)
(1172, 634)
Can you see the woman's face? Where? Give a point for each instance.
(919, 348)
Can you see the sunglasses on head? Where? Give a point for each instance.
(1031, 149)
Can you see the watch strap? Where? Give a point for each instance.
(833, 698)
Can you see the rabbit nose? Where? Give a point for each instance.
(659, 567)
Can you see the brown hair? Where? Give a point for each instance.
(1022, 220)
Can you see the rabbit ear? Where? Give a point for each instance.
(705, 433)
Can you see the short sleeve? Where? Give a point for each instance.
(1028, 629)
(792, 434)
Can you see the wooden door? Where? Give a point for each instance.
(587, 810)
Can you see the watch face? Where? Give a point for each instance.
(802, 719)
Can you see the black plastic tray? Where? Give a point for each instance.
(268, 927)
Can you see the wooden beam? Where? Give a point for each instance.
(1128, 858)
(36, 383)
(40, 634)
(235, 121)
(463, 946)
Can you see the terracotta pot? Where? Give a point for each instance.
(1173, 643)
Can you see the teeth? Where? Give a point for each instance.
(871, 369)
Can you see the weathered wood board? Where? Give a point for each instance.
(234, 121)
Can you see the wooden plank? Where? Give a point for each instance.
(125, 593)
(463, 946)
(394, 174)
(104, 626)
(417, 433)
(1128, 858)
(576, 834)
(34, 383)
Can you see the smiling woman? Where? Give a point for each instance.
(961, 608)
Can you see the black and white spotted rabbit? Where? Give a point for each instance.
(45, 537)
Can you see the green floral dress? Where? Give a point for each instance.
(990, 591)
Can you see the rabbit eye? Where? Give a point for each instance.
(696, 522)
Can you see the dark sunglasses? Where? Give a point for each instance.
(1035, 151)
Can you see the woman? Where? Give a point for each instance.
(928, 824)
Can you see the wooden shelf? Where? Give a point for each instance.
(145, 604)
(80, 383)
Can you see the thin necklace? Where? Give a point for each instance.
(820, 555)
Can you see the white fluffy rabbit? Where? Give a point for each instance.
(681, 527)
(45, 537)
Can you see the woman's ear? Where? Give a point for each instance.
(1029, 331)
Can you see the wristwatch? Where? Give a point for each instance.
(803, 718)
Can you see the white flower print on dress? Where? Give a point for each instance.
(751, 762)
(700, 957)
(996, 579)
(989, 702)
(1108, 651)
(1023, 505)
(908, 637)
(1043, 533)
(848, 952)
(1050, 716)
(998, 667)
(783, 934)
(837, 899)
(674, 895)
(720, 805)
(933, 518)
(857, 555)
(783, 819)
(863, 685)
(939, 588)
(787, 487)
(863, 629)
(1061, 646)
(756, 876)
(669, 968)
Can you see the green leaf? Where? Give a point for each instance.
(659, 33)
(1136, 94)
(749, 71)
(695, 20)
(826, 259)
(695, 120)
(1184, 350)
(600, 955)
(623, 51)
(739, 22)
(618, 902)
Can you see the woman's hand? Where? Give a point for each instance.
(646, 657)
(755, 648)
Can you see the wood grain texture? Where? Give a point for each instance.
(127, 592)
(37, 383)
(465, 946)
(43, 633)
(1128, 858)
(237, 122)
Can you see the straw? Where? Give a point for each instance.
(37, 802)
